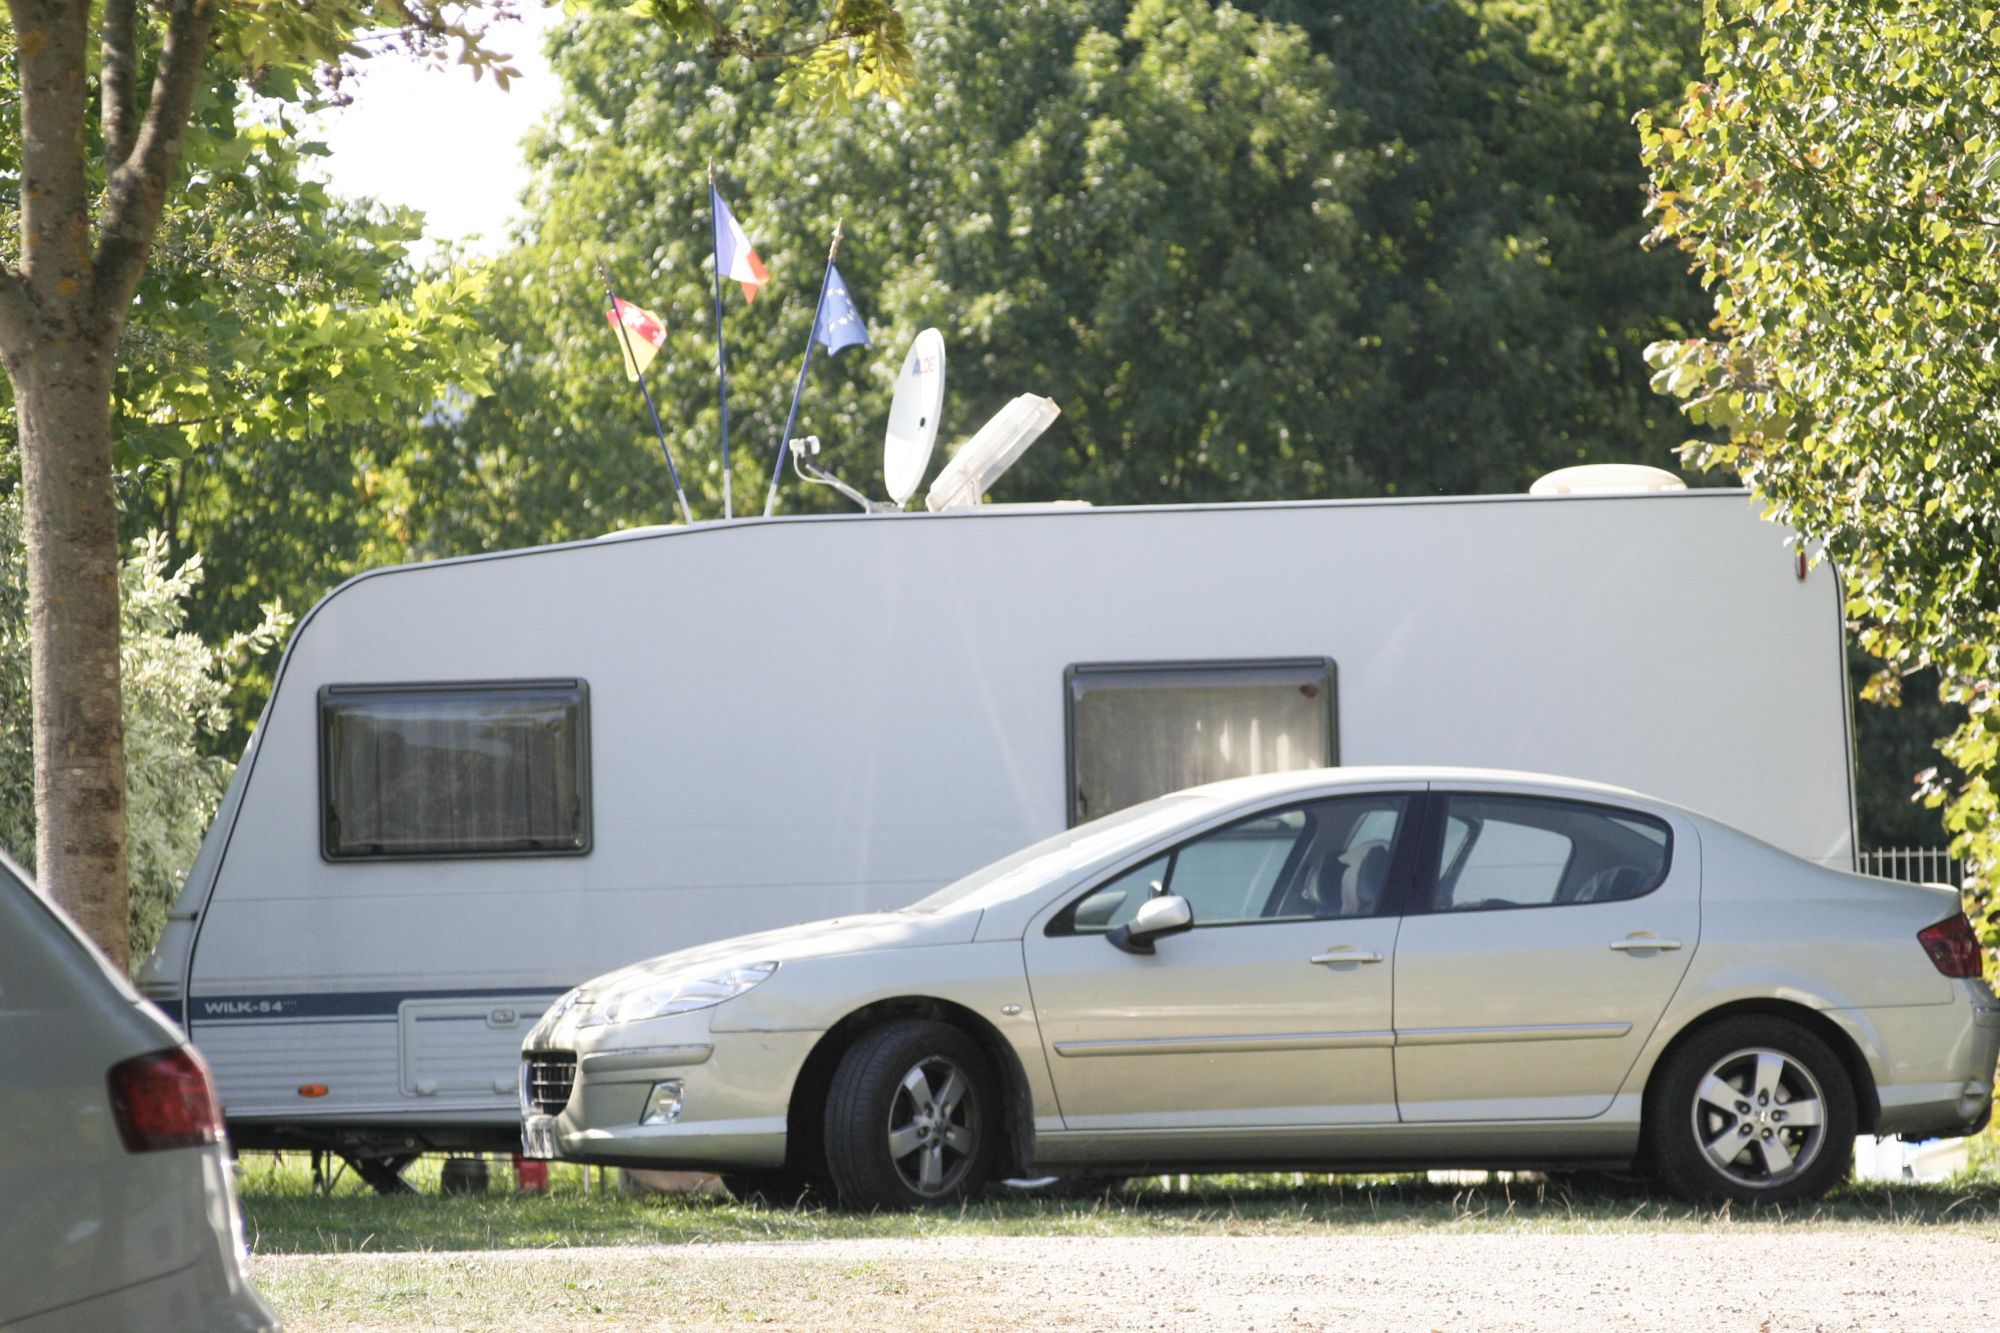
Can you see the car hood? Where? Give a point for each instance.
(867, 933)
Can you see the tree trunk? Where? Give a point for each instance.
(61, 312)
(62, 386)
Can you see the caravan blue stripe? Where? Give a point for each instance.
(263, 1007)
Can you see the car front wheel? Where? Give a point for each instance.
(1753, 1110)
(911, 1118)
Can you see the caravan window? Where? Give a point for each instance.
(1139, 730)
(488, 769)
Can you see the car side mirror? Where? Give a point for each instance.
(1156, 918)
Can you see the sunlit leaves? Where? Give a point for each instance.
(1836, 181)
(826, 55)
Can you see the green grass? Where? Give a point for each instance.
(287, 1216)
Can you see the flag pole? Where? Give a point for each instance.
(721, 356)
(778, 464)
(625, 341)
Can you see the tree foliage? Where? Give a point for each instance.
(1504, 300)
(1835, 178)
(830, 54)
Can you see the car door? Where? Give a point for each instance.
(1541, 946)
(1273, 1010)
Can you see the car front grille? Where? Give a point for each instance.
(547, 1080)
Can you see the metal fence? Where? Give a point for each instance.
(1916, 865)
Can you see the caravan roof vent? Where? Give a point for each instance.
(646, 530)
(1607, 479)
(981, 459)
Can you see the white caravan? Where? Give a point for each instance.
(481, 781)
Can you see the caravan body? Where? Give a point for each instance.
(698, 732)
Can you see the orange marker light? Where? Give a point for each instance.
(312, 1089)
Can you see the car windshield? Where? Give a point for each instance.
(1100, 837)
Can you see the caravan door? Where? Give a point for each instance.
(1274, 1010)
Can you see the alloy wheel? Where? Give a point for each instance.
(1759, 1117)
(933, 1127)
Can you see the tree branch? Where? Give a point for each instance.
(52, 37)
(117, 98)
(137, 189)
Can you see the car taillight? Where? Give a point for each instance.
(164, 1100)
(1952, 947)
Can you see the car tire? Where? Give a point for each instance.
(776, 1189)
(911, 1119)
(1752, 1110)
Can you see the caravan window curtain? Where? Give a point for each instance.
(1141, 729)
(486, 769)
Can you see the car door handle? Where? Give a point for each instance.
(1631, 942)
(1345, 953)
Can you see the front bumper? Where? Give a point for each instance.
(733, 1095)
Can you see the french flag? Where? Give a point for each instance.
(734, 257)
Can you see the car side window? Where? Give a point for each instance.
(1509, 851)
(1322, 860)
(1228, 875)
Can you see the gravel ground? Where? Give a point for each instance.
(1723, 1277)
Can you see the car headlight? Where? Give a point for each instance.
(675, 995)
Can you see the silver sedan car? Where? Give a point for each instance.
(117, 1203)
(1346, 969)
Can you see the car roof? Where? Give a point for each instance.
(90, 956)
(1373, 775)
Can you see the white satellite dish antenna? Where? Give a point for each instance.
(913, 416)
(981, 459)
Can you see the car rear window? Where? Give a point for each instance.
(1524, 851)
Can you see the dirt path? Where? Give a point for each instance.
(1759, 1281)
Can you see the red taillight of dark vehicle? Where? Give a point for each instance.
(164, 1100)
(1952, 947)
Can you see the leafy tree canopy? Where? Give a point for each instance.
(269, 307)
(1833, 178)
(1504, 300)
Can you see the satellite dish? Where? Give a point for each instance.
(913, 416)
(981, 459)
